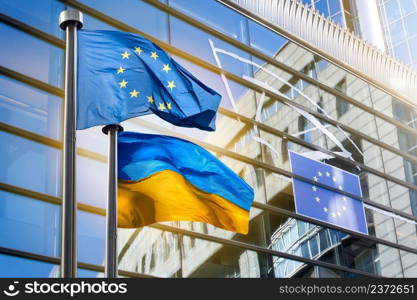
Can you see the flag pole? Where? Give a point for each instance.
(110, 266)
(70, 21)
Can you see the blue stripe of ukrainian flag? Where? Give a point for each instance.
(163, 178)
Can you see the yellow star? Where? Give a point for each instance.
(325, 209)
(134, 93)
(123, 84)
(315, 178)
(138, 50)
(125, 55)
(317, 199)
(154, 55)
(327, 174)
(333, 215)
(171, 85)
(344, 207)
(344, 198)
(166, 68)
(120, 70)
(169, 106)
(339, 214)
(161, 106)
(334, 179)
(340, 187)
(314, 188)
(320, 173)
(150, 99)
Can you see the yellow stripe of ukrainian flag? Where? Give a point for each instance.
(168, 196)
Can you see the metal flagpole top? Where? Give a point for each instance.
(106, 128)
(70, 16)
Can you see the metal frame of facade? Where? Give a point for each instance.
(183, 17)
(306, 27)
(59, 92)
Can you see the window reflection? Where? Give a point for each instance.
(29, 165)
(82, 273)
(29, 108)
(17, 267)
(410, 24)
(91, 174)
(392, 10)
(342, 106)
(40, 14)
(264, 40)
(90, 238)
(137, 14)
(216, 16)
(29, 224)
(196, 42)
(31, 56)
(401, 53)
(91, 23)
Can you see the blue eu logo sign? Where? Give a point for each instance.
(324, 204)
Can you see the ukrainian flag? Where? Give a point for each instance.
(163, 178)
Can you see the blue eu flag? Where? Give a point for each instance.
(323, 204)
(122, 75)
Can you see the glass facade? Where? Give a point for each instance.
(397, 17)
(266, 75)
(400, 27)
(342, 12)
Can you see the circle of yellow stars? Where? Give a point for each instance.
(317, 199)
(134, 93)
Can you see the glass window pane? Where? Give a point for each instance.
(401, 53)
(138, 14)
(388, 261)
(215, 15)
(151, 251)
(17, 267)
(241, 95)
(91, 23)
(28, 108)
(392, 10)
(409, 263)
(407, 6)
(91, 182)
(307, 2)
(164, 254)
(90, 234)
(29, 165)
(265, 40)
(295, 57)
(413, 48)
(338, 19)
(31, 56)
(29, 225)
(196, 42)
(40, 14)
(410, 23)
(314, 247)
(334, 6)
(82, 273)
(92, 139)
(322, 7)
(397, 32)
